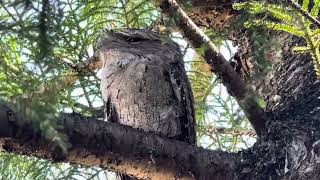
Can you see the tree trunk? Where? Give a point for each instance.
(290, 148)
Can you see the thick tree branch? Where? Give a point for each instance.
(117, 147)
(219, 64)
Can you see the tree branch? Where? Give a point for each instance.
(116, 147)
(221, 67)
(58, 84)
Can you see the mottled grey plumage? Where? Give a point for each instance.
(144, 84)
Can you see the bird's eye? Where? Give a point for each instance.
(10, 115)
(133, 39)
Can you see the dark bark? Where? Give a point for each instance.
(207, 4)
(290, 148)
(213, 14)
(116, 147)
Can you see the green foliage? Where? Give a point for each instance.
(262, 46)
(116, 14)
(287, 18)
(17, 167)
(34, 37)
(10, 66)
(202, 83)
(216, 110)
(22, 167)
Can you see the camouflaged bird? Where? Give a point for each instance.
(144, 84)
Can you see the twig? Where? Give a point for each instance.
(305, 13)
(234, 132)
(56, 85)
(220, 66)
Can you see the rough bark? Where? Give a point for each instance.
(213, 14)
(290, 149)
(116, 147)
(205, 4)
